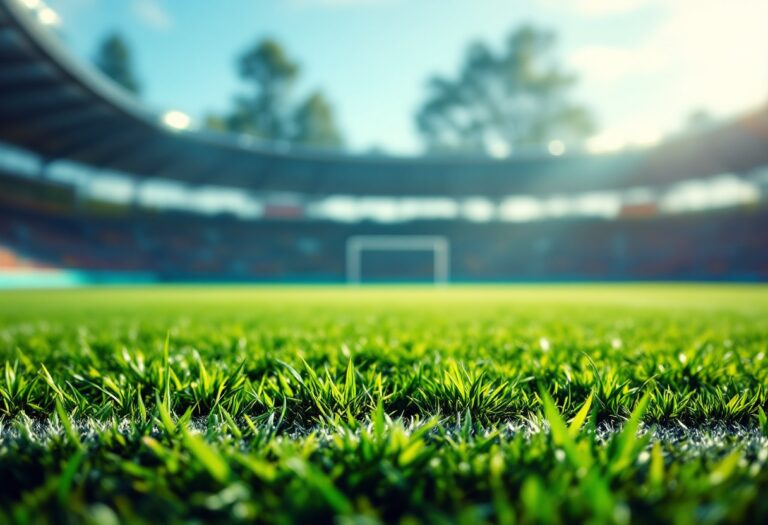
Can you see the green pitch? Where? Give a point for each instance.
(608, 404)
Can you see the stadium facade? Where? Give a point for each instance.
(97, 185)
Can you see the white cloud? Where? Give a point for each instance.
(607, 7)
(596, 8)
(152, 14)
(607, 64)
(709, 54)
(718, 51)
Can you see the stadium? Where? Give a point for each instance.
(594, 352)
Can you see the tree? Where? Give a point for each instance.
(271, 74)
(113, 58)
(314, 124)
(517, 98)
(267, 110)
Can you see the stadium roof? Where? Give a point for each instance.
(61, 109)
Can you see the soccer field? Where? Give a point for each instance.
(524, 404)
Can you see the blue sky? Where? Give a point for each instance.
(644, 64)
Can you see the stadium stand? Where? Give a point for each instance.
(713, 245)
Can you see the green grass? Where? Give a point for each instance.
(537, 404)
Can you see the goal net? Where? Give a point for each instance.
(438, 246)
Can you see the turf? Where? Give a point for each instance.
(608, 404)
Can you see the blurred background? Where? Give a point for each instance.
(382, 141)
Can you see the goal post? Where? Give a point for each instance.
(438, 245)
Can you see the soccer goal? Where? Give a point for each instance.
(438, 245)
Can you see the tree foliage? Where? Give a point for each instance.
(268, 110)
(314, 124)
(114, 59)
(270, 74)
(516, 97)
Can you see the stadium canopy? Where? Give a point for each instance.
(61, 109)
